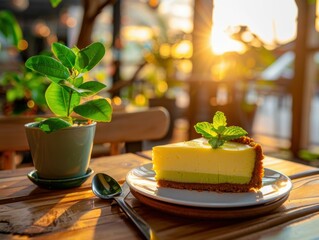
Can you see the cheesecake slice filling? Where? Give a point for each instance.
(194, 164)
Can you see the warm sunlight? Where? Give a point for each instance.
(221, 43)
(137, 33)
(265, 18)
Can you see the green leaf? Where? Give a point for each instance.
(53, 124)
(88, 57)
(48, 66)
(205, 129)
(60, 101)
(93, 87)
(217, 132)
(216, 142)
(64, 54)
(16, 93)
(55, 3)
(70, 87)
(233, 132)
(97, 110)
(10, 28)
(78, 81)
(81, 62)
(219, 120)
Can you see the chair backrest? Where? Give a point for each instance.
(132, 128)
(149, 124)
(125, 127)
(12, 133)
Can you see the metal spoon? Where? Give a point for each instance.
(106, 187)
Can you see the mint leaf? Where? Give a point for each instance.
(219, 120)
(217, 132)
(233, 132)
(216, 142)
(206, 129)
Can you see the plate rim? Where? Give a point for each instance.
(206, 205)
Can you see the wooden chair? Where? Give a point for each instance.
(132, 128)
(126, 128)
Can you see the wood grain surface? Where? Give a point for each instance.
(27, 211)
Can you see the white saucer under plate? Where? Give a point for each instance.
(275, 186)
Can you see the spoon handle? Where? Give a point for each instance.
(137, 220)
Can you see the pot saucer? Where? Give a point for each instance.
(59, 183)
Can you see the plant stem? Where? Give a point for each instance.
(69, 105)
(71, 93)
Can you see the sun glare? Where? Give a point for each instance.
(264, 18)
(221, 43)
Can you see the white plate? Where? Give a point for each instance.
(275, 186)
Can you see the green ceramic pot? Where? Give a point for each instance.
(65, 153)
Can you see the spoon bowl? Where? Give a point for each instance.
(105, 187)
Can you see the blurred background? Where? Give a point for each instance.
(255, 60)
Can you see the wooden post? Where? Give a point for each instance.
(199, 92)
(303, 82)
(116, 43)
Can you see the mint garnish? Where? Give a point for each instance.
(217, 132)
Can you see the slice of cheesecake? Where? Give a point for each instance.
(234, 167)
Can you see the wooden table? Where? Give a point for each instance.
(27, 211)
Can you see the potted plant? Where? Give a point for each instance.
(61, 145)
(23, 93)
